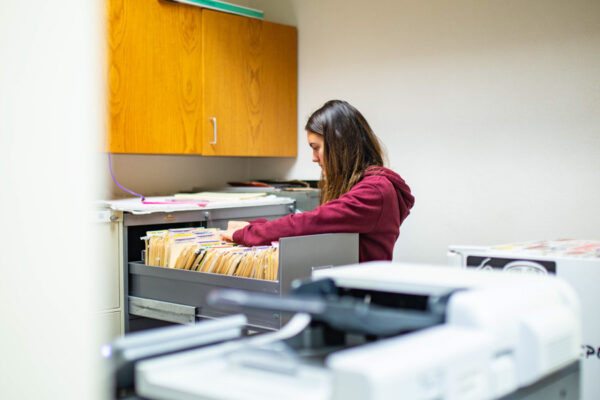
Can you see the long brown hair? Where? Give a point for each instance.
(350, 147)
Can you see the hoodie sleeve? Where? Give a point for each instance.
(357, 211)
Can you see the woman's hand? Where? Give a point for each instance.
(227, 235)
(232, 226)
(235, 225)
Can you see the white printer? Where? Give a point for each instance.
(574, 260)
(382, 331)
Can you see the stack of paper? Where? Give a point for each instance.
(186, 202)
(218, 196)
(576, 248)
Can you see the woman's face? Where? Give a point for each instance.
(315, 142)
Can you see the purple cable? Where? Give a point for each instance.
(118, 184)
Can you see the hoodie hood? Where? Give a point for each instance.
(405, 198)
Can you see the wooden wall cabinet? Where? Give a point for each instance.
(186, 80)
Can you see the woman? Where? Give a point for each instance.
(357, 193)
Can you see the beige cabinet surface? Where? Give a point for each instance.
(111, 324)
(109, 237)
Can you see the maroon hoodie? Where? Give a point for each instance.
(375, 207)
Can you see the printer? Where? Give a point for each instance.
(379, 330)
(577, 261)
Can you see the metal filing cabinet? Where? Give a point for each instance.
(156, 296)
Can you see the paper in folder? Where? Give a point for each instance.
(201, 250)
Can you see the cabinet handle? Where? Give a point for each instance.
(214, 120)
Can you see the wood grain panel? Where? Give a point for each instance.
(250, 86)
(155, 77)
(280, 78)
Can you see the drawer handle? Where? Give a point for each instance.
(214, 121)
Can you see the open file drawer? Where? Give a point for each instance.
(135, 225)
(179, 296)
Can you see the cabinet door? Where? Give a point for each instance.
(154, 77)
(249, 87)
(111, 326)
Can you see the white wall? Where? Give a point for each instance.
(167, 174)
(51, 115)
(489, 109)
